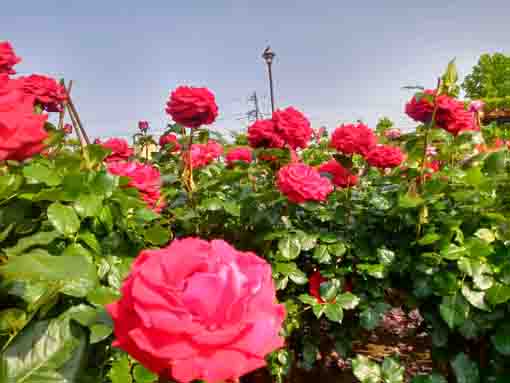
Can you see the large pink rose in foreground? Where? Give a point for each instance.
(119, 147)
(192, 107)
(7, 58)
(198, 310)
(144, 177)
(300, 183)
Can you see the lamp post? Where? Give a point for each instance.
(268, 56)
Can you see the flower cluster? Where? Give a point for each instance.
(198, 310)
(353, 139)
(192, 107)
(287, 127)
(145, 178)
(47, 91)
(203, 154)
(341, 176)
(7, 58)
(172, 142)
(451, 114)
(239, 154)
(300, 183)
(120, 149)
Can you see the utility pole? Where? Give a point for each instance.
(268, 56)
(256, 109)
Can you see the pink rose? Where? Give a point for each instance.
(21, 134)
(119, 147)
(145, 178)
(301, 183)
(192, 107)
(384, 156)
(342, 177)
(143, 126)
(198, 310)
(263, 134)
(203, 154)
(392, 134)
(293, 127)
(239, 154)
(46, 90)
(476, 106)
(353, 139)
(7, 58)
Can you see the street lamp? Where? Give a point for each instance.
(269, 55)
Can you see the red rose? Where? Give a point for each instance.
(301, 183)
(119, 147)
(21, 133)
(293, 127)
(342, 177)
(239, 154)
(143, 126)
(68, 129)
(12, 95)
(97, 141)
(314, 282)
(192, 107)
(7, 58)
(384, 156)
(145, 178)
(420, 108)
(263, 134)
(351, 139)
(171, 140)
(198, 310)
(46, 90)
(203, 154)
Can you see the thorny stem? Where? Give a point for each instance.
(188, 172)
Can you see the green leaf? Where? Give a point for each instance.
(298, 277)
(371, 316)
(307, 241)
(408, 201)
(347, 301)
(366, 370)
(12, 320)
(334, 312)
(289, 247)
(454, 310)
(474, 176)
(88, 205)
(75, 275)
(142, 375)
(43, 352)
(485, 235)
(104, 184)
(63, 218)
(453, 252)
(41, 238)
(103, 295)
(146, 215)
(392, 371)
(83, 314)
(157, 235)
(9, 184)
(307, 299)
(429, 239)
(501, 339)
(476, 298)
(38, 173)
(99, 332)
(212, 204)
(329, 289)
(318, 309)
(91, 241)
(465, 370)
(385, 256)
(120, 371)
(321, 254)
(498, 294)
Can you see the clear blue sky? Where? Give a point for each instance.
(337, 61)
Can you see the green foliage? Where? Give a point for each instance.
(489, 78)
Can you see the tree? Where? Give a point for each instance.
(490, 77)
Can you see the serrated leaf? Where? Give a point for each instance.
(347, 301)
(454, 310)
(157, 235)
(99, 332)
(88, 205)
(39, 173)
(120, 371)
(318, 309)
(498, 294)
(321, 254)
(476, 298)
(392, 371)
(334, 312)
(289, 247)
(142, 375)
